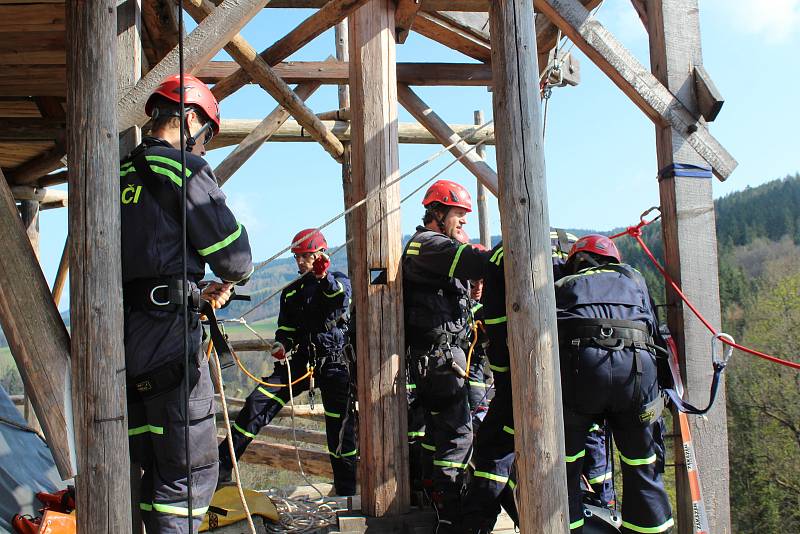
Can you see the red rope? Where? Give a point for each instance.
(636, 233)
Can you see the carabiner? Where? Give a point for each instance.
(727, 349)
(647, 212)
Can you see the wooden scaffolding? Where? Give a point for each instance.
(66, 98)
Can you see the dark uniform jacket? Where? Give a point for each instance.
(152, 244)
(494, 311)
(315, 311)
(436, 269)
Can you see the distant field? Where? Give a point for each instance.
(265, 328)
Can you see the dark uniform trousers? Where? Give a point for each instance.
(596, 466)
(645, 506)
(480, 388)
(261, 406)
(156, 429)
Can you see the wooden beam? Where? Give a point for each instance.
(159, 18)
(29, 212)
(273, 432)
(427, 5)
(26, 80)
(280, 456)
(383, 467)
(641, 9)
(234, 130)
(33, 170)
(32, 48)
(443, 31)
(200, 46)
(636, 81)
(404, 17)
(709, 99)
(547, 34)
(321, 21)
(32, 17)
(60, 281)
(446, 136)
(259, 135)
(336, 72)
(35, 331)
(690, 251)
(483, 206)
(38, 194)
(246, 56)
(530, 302)
(98, 356)
(31, 129)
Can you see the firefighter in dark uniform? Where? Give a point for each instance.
(480, 376)
(606, 324)
(154, 300)
(436, 270)
(312, 330)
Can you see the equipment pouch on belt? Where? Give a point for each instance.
(164, 378)
(442, 381)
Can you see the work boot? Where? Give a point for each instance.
(25, 524)
(448, 512)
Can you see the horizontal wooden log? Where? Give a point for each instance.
(636, 80)
(234, 130)
(300, 410)
(39, 194)
(271, 431)
(31, 129)
(284, 457)
(36, 168)
(251, 345)
(443, 31)
(427, 5)
(336, 73)
(341, 114)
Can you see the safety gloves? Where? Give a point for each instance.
(278, 351)
(321, 264)
(217, 293)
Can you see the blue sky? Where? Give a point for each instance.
(600, 149)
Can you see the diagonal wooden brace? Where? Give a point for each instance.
(258, 69)
(636, 80)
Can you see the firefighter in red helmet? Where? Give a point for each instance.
(152, 246)
(313, 327)
(437, 268)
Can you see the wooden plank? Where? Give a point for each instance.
(60, 281)
(446, 136)
(404, 16)
(234, 130)
(32, 47)
(32, 18)
(427, 5)
(383, 468)
(445, 32)
(35, 332)
(336, 72)
(33, 80)
(476, 23)
(483, 206)
(690, 249)
(200, 46)
(530, 302)
(18, 107)
(29, 212)
(15, 153)
(98, 357)
(321, 21)
(259, 135)
(547, 34)
(257, 69)
(283, 457)
(31, 129)
(636, 81)
(709, 99)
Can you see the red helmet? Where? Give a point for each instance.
(448, 193)
(308, 240)
(195, 93)
(597, 244)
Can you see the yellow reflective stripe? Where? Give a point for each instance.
(498, 369)
(126, 172)
(512, 484)
(601, 478)
(338, 292)
(145, 429)
(287, 328)
(243, 431)
(478, 385)
(412, 252)
(333, 414)
(179, 510)
(416, 434)
(595, 427)
(168, 173)
(494, 259)
(491, 476)
(456, 258)
(411, 386)
(222, 244)
(145, 506)
(571, 459)
(168, 161)
(649, 530)
(435, 413)
(290, 293)
(477, 307)
(508, 430)
(414, 244)
(271, 396)
(429, 447)
(496, 320)
(576, 524)
(638, 461)
(343, 455)
(447, 463)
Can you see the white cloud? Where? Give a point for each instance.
(246, 212)
(774, 20)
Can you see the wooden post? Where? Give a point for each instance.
(129, 71)
(98, 362)
(530, 302)
(377, 282)
(29, 211)
(483, 207)
(61, 275)
(690, 246)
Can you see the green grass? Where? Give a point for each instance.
(265, 328)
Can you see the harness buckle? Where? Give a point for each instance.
(153, 295)
(606, 332)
